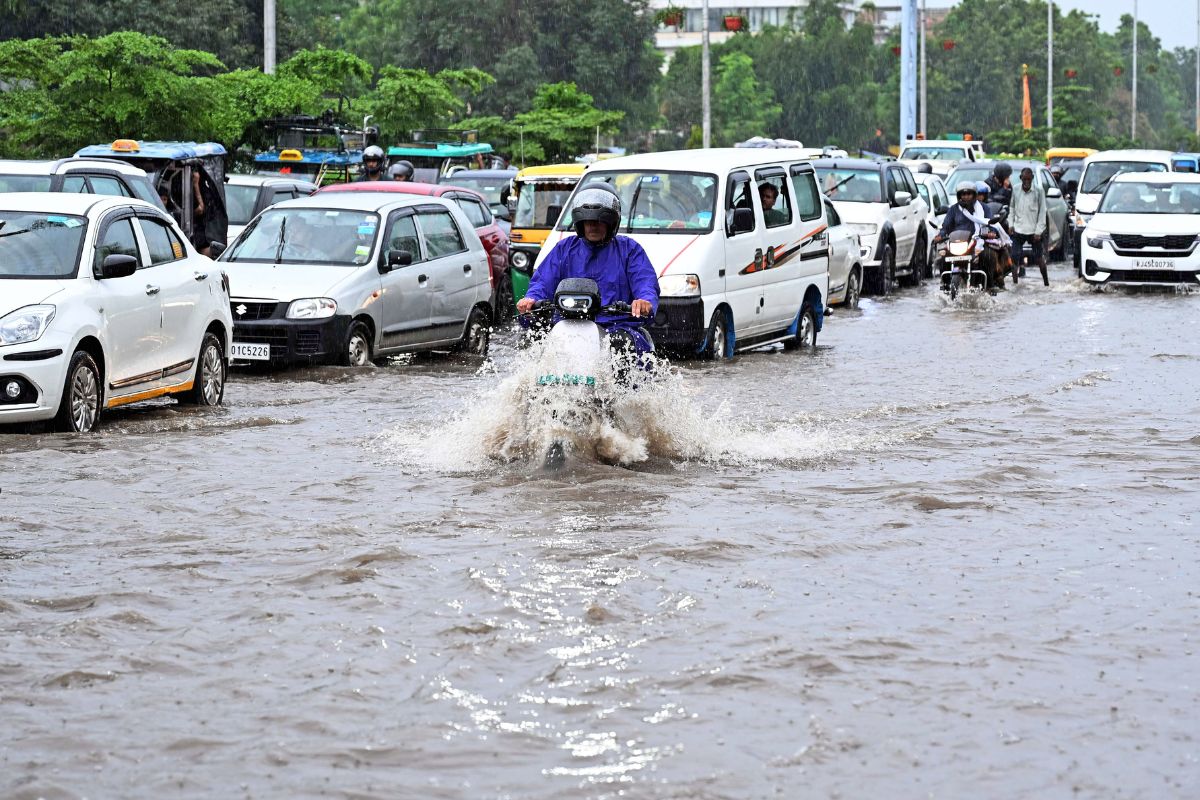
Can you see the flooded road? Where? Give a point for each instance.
(952, 553)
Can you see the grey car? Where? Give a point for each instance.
(1057, 236)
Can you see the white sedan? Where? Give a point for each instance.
(937, 197)
(1144, 232)
(104, 302)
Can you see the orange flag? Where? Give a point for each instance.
(1026, 108)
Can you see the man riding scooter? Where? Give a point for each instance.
(968, 218)
(617, 263)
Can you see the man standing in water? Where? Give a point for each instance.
(1028, 220)
(616, 263)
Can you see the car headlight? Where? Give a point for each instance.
(679, 285)
(1080, 219)
(25, 324)
(863, 228)
(312, 308)
(520, 260)
(1097, 240)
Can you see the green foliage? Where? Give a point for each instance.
(336, 73)
(561, 125)
(404, 99)
(741, 106)
(244, 97)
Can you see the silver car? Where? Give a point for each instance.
(351, 278)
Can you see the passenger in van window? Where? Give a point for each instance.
(618, 264)
(768, 193)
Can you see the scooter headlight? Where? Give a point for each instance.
(574, 306)
(520, 260)
(959, 248)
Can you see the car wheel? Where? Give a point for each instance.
(478, 334)
(806, 330)
(79, 408)
(208, 387)
(357, 352)
(505, 302)
(717, 346)
(887, 271)
(918, 263)
(853, 288)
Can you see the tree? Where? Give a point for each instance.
(562, 124)
(336, 73)
(404, 99)
(741, 106)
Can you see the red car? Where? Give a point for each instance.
(475, 205)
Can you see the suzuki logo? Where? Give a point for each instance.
(241, 309)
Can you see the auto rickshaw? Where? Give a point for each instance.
(171, 167)
(436, 153)
(535, 202)
(1057, 154)
(1185, 162)
(319, 149)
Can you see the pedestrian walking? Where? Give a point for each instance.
(1027, 216)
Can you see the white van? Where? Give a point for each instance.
(1098, 170)
(732, 275)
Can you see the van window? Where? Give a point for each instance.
(738, 196)
(118, 240)
(773, 195)
(808, 203)
(832, 215)
(163, 245)
(402, 235)
(442, 237)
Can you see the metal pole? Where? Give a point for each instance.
(1133, 120)
(924, 116)
(1050, 74)
(1198, 67)
(705, 81)
(269, 36)
(908, 71)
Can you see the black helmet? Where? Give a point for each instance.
(597, 202)
(1002, 170)
(401, 171)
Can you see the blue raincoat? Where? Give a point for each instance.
(622, 270)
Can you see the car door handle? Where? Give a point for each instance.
(422, 278)
(466, 269)
(200, 276)
(152, 289)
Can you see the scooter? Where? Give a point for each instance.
(575, 364)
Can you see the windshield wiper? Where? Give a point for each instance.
(16, 232)
(840, 183)
(282, 239)
(633, 206)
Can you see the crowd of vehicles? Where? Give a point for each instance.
(111, 297)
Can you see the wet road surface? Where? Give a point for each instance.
(952, 553)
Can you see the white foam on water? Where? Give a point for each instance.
(515, 420)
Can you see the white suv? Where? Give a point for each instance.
(103, 302)
(879, 200)
(77, 176)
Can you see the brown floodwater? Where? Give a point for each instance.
(952, 553)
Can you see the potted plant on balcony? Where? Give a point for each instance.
(671, 16)
(735, 23)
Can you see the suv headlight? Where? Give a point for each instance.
(679, 286)
(312, 308)
(1080, 219)
(1097, 240)
(863, 228)
(25, 324)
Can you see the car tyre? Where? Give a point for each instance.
(853, 288)
(478, 334)
(79, 407)
(505, 302)
(208, 387)
(917, 266)
(806, 330)
(357, 352)
(884, 281)
(717, 348)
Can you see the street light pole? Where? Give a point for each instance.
(1198, 67)
(921, 18)
(1133, 121)
(269, 36)
(705, 81)
(1050, 73)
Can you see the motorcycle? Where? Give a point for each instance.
(973, 258)
(575, 367)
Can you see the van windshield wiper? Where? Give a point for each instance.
(633, 206)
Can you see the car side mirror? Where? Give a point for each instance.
(216, 248)
(118, 266)
(901, 199)
(1054, 191)
(741, 220)
(942, 209)
(396, 259)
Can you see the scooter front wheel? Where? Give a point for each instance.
(556, 456)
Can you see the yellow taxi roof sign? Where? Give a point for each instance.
(291, 155)
(125, 146)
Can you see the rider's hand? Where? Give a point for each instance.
(641, 308)
(524, 304)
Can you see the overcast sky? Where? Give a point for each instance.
(1172, 21)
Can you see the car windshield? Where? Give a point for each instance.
(659, 202)
(1099, 173)
(339, 237)
(24, 183)
(488, 187)
(39, 245)
(539, 204)
(1072, 173)
(934, 153)
(239, 202)
(1151, 198)
(851, 185)
(972, 174)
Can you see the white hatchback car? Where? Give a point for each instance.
(1144, 232)
(103, 302)
(845, 260)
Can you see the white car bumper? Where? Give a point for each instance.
(1108, 263)
(40, 368)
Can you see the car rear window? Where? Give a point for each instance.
(24, 183)
(40, 245)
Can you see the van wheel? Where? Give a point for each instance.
(79, 407)
(718, 338)
(887, 271)
(357, 352)
(806, 330)
(208, 387)
(853, 288)
(477, 335)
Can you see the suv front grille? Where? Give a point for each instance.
(1125, 241)
(252, 311)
